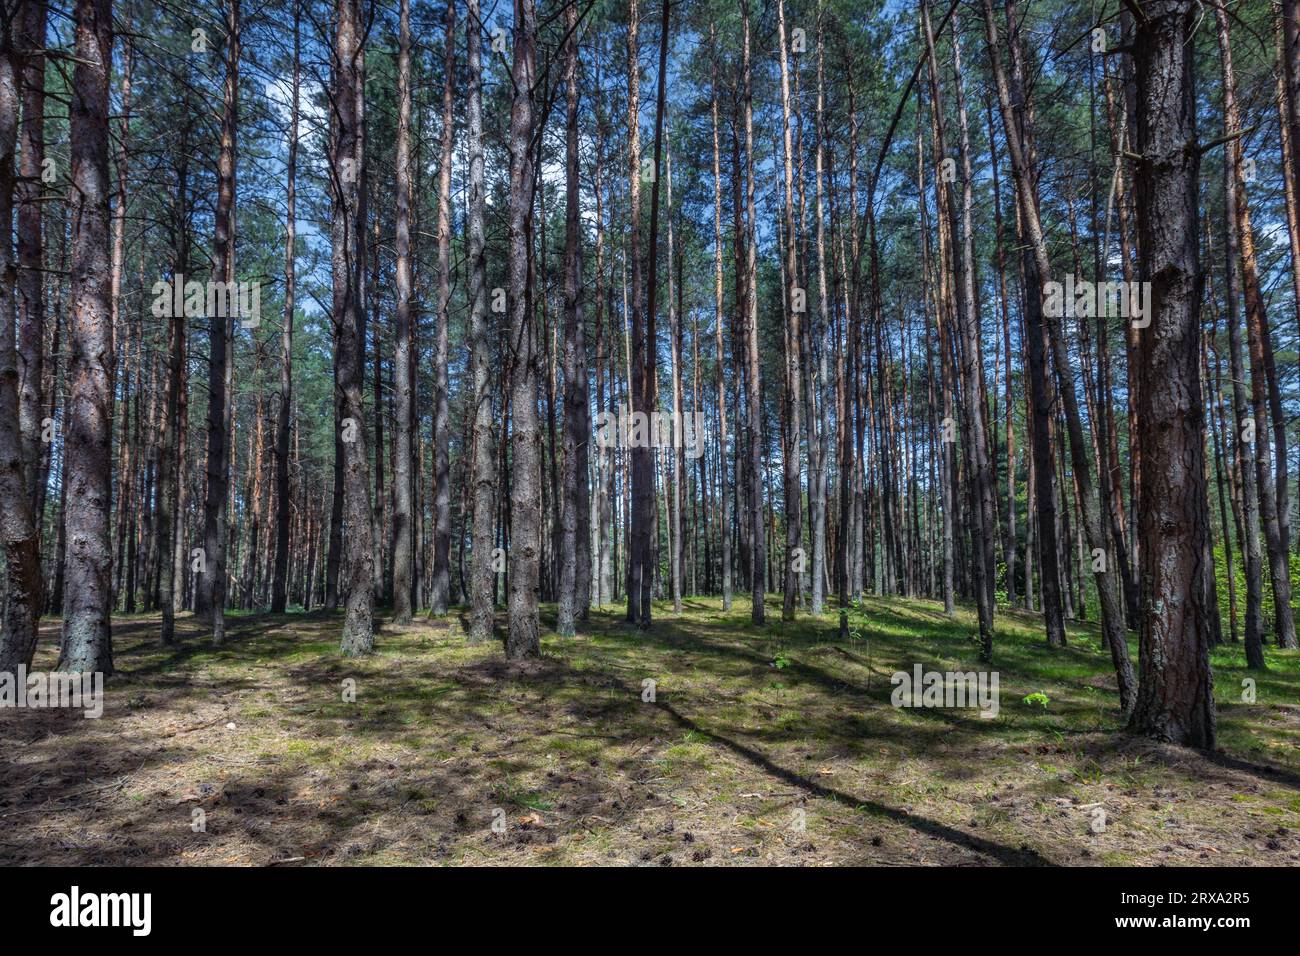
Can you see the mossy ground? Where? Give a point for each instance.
(736, 761)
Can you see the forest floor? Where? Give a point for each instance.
(776, 745)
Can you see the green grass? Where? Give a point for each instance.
(749, 725)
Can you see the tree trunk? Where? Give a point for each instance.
(24, 591)
(1265, 397)
(282, 502)
(1034, 278)
(575, 545)
(30, 41)
(221, 344)
(482, 577)
(1243, 445)
(753, 384)
(1111, 611)
(349, 335)
(402, 540)
(1176, 696)
(642, 477)
(522, 641)
(87, 629)
(441, 430)
(724, 498)
(793, 340)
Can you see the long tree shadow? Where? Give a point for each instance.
(1023, 856)
(1006, 855)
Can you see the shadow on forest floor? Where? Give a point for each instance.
(771, 745)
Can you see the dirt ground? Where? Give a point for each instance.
(777, 748)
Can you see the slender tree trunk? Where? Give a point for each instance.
(650, 353)
(283, 506)
(575, 548)
(642, 471)
(818, 433)
(1009, 546)
(482, 577)
(87, 630)
(522, 642)
(349, 334)
(441, 429)
(1243, 445)
(793, 339)
(30, 42)
(212, 587)
(1265, 398)
(402, 540)
(753, 384)
(724, 498)
(677, 454)
(22, 549)
(968, 347)
(1014, 116)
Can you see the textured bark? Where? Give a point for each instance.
(171, 555)
(1114, 477)
(283, 505)
(87, 630)
(252, 517)
(174, 497)
(24, 591)
(1289, 54)
(402, 540)
(126, 447)
(1176, 696)
(349, 335)
(212, 588)
(1009, 545)
(334, 551)
(676, 550)
(818, 431)
(604, 527)
(792, 471)
(441, 428)
(641, 537)
(482, 578)
(973, 373)
(522, 641)
(639, 514)
(650, 352)
(180, 345)
(753, 384)
(724, 497)
(575, 550)
(30, 40)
